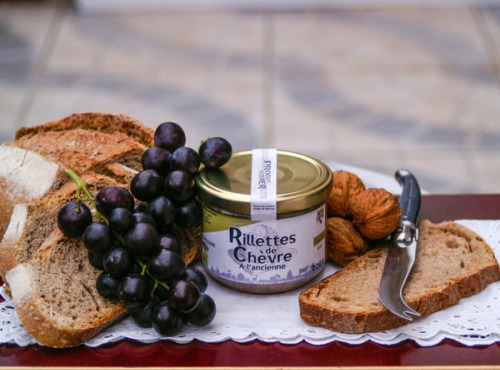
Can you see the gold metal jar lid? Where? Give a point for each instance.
(302, 183)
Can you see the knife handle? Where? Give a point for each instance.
(410, 197)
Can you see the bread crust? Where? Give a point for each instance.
(49, 335)
(83, 150)
(34, 300)
(97, 121)
(371, 315)
(46, 332)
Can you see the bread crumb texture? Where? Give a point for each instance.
(65, 284)
(452, 262)
(25, 172)
(63, 307)
(20, 284)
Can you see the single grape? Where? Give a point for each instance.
(134, 290)
(215, 152)
(113, 197)
(166, 266)
(189, 214)
(196, 276)
(146, 185)
(157, 159)
(162, 210)
(107, 286)
(166, 320)
(179, 186)
(118, 262)
(97, 237)
(184, 296)
(96, 260)
(171, 243)
(169, 136)
(204, 313)
(141, 207)
(144, 217)
(73, 219)
(121, 220)
(142, 315)
(185, 159)
(142, 240)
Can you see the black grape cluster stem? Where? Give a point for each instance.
(81, 188)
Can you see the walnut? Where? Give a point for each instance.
(343, 242)
(346, 185)
(376, 213)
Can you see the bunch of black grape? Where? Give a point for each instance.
(135, 239)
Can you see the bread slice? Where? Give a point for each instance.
(55, 297)
(122, 174)
(113, 129)
(33, 165)
(83, 150)
(95, 121)
(452, 262)
(31, 223)
(48, 276)
(89, 141)
(24, 176)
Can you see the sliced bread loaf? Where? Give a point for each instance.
(452, 262)
(89, 141)
(55, 297)
(95, 121)
(33, 165)
(83, 150)
(31, 223)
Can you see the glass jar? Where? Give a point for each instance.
(274, 251)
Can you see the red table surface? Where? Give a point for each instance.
(131, 354)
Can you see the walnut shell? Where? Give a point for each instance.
(343, 242)
(346, 186)
(376, 213)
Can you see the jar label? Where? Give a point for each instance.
(263, 184)
(264, 252)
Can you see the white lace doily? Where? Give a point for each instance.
(275, 318)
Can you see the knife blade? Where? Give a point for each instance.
(401, 253)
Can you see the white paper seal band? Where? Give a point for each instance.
(263, 184)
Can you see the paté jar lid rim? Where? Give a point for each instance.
(303, 182)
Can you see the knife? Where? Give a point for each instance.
(402, 249)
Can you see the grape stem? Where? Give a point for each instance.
(145, 271)
(201, 142)
(81, 187)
